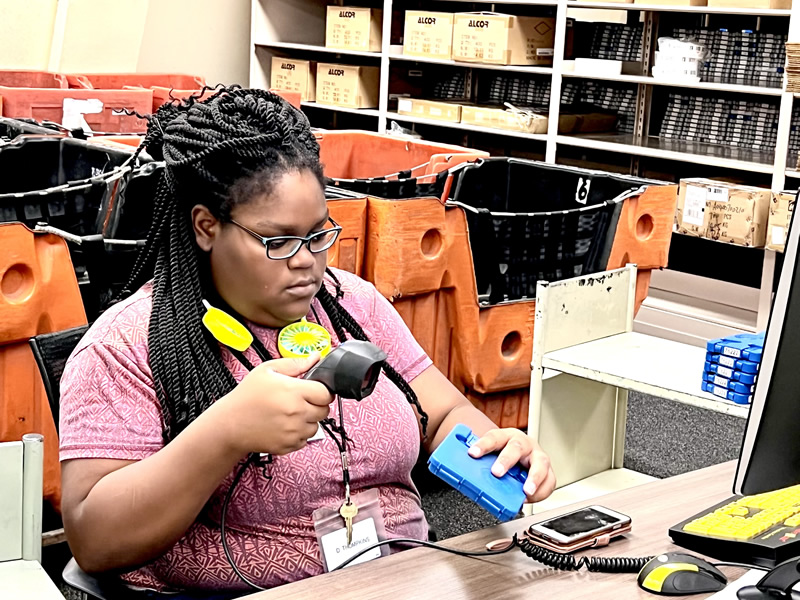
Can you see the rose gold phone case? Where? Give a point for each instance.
(591, 542)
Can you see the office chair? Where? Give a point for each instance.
(51, 351)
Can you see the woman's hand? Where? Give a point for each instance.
(516, 447)
(271, 410)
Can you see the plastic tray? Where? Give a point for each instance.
(501, 496)
(745, 366)
(746, 346)
(728, 373)
(727, 394)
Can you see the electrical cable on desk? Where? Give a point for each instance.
(562, 562)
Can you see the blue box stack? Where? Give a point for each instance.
(731, 367)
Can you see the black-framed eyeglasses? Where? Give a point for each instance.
(282, 247)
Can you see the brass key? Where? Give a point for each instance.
(348, 511)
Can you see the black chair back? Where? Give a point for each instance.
(51, 351)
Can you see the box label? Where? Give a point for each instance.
(717, 194)
(694, 205)
(734, 352)
(725, 372)
(727, 361)
(404, 105)
(778, 236)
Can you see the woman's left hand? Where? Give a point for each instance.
(517, 447)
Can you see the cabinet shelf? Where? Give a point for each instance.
(724, 10)
(539, 137)
(370, 112)
(700, 85)
(317, 48)
(397, 55)
(729, 157)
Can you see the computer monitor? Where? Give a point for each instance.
(770, 455)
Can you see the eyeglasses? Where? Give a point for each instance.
(286, 246)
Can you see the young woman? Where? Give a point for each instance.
(157, 416)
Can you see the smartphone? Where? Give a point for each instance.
(582, 528)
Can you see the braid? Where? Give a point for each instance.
(343, 320)
(217, 151)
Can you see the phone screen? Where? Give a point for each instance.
(581, 521)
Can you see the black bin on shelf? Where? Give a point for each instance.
(531, 221)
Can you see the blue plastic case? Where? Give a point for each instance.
(501, 496)
(728, 373)
(747, 346)
(734, 386)
(739, 365)
(727, 394)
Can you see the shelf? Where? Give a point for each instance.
(701, 85)
(398, 56)
(696, 152)
(725, 10)
(519, 2)
(646, 364)
(370, 112)
(793, 173)
(539, 137)
(315, 48)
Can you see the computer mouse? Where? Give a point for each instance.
(680, 574)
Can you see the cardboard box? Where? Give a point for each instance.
(500, 118)
(347, 85)
(428, 34)
(294, 76)
(503, 39)
(354, 28)
(781, 210)
(784, 4)
(588, 122)
(721, 211)
(430, 109)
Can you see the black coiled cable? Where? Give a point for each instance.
(567, 562)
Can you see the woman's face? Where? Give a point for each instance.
(269, 292)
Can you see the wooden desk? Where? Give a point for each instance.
(427, 573)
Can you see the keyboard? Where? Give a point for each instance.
(762, 529)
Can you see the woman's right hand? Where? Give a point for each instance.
(272, 410)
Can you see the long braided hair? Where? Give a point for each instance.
(218, 152)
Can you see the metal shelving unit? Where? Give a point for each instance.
(297, 28)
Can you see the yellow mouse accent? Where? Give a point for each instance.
(225, 329)
(655, 580)
(302, 338)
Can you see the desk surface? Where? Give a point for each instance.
(26, 579)
(426, 573)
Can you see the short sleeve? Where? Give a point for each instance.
(390, 332)
(109, 408)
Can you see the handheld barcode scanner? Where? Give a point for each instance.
(351, 370)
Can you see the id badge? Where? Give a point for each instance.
(368, 528)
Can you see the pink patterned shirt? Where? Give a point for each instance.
(109, 409)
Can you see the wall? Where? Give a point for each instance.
(210, 38)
